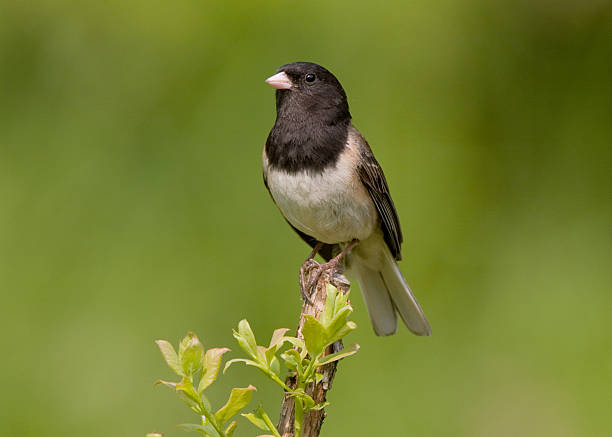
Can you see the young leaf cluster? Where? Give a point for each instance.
(198, 369)
(303, 359)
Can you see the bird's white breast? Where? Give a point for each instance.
(333, 206)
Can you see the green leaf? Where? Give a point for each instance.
(191, 354)
(291, 358)
(296, 342)
(269, 355)
(339, 319)
(240, 360)
(275, 366)
(261, 355)
(239, 398)
(276, 342)
(342, 332)
(278, 337)
(205, 429)
(320, 406)
(335, 316)
(314, 336)
(257, 421)
(189, 402)
(229, 431)
(170, 356)
(244, 345)
(210, 369)
(205, 402)
(299, 344)
(246, 333)
(308, 403)
(189, 395)
(304, 397)
(339, 355)
(318, 377)
(328, 310)
(260, 419)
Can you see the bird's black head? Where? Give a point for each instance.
(312, 119)
(308, 90)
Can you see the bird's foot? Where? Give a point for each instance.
(311, 273)
(339, 281)
(305, 272)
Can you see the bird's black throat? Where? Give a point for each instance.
(307, 138)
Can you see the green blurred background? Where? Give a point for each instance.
(132, 208)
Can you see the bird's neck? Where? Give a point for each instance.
(298, 142)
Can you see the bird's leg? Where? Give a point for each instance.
(306, 266)
(329, 266)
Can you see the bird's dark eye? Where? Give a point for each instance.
(310, 77)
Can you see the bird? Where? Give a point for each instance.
(329, 187)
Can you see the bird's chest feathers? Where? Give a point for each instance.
(331, 205)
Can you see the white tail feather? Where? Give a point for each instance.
(386, 292)
(379, 304)
(403, 299)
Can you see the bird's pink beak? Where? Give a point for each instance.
(280, 81)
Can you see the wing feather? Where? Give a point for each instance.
(374, 180)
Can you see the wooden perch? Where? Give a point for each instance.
(313, 420)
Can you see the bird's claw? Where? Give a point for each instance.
(339, 281)
(305, 284)
(311, 273)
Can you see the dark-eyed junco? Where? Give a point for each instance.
(324, 178)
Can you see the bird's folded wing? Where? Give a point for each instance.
(373, 179)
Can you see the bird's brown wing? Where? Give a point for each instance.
(373, 178)
(326, 251)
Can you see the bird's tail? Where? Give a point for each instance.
(386, 292)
